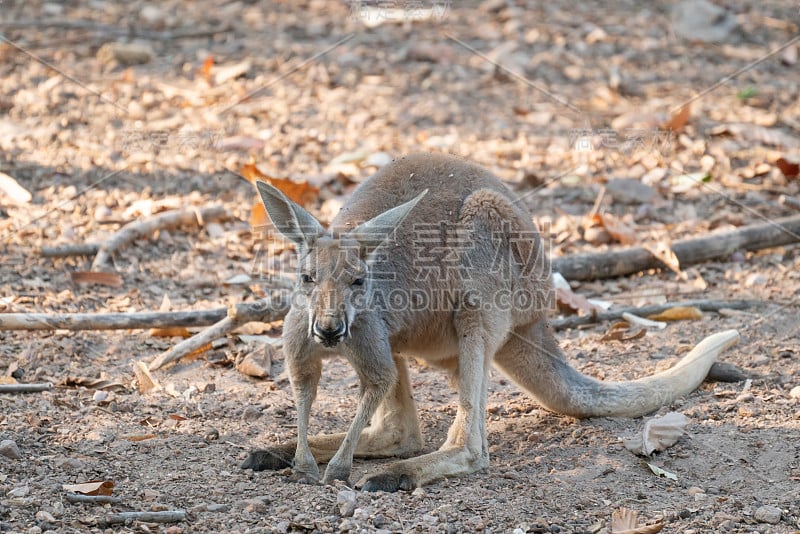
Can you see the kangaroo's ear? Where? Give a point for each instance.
(291, 220)
(376, 231)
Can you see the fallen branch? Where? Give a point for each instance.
(138, 229)
(111, 321)
(265, 310)
(643, 311)
(168, 516)
(130, 31)
(93, 499)
(24, 388)
(615, 263)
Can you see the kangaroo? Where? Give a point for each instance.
(433, 258)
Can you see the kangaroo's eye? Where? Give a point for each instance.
(358, 282)
(306, 278)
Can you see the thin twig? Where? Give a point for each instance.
(75, 249)
(25, 388)
(93, 499)
(167, 516)
(703, 305)
(265, 310)
(139, 229)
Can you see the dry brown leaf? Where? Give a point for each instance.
(301, 192)
(620, 332)
(678, 313)
(678, 120)
(658, 434)
(7, 380)
(96, 277)
(177, 417)
(146, 381)
(619, 230)
(93, 487)
(572, 301)
(208, 66)
(664, 253)
(625, 521)
(171, 331)
(10, 188)
(790, 169)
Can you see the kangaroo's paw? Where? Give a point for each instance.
(271, 459)
(389, 482)
(333, 473)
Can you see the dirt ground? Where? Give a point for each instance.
(310, 91)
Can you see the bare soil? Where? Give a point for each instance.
(89, 138)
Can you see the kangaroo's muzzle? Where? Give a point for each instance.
(329, 332)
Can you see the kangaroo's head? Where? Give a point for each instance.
(334, 269)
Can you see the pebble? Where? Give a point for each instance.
(346, 499)
(755, 279)
(256, 506)
(379, 521)
(768, 514)
(694, 490)
(214, 507)
(43, 515)
(19, 491)
(251, 413)
(630, 191)
(9, 449)
(794, 393)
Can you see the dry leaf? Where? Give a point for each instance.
(96, 277)
(790, 169)
(170, 331)
(166, 304)
(11, 189)
(678, 313)
(618, 229)
(663, 252)
(208, 65)
(7, 380)
(93, 487)
(679, 120)
(662, 472)
(620, 331)
(177, 417)
(625, 521)
(301, 192)
(658, 434)
(146, 381)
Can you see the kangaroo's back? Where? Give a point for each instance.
(449, 179)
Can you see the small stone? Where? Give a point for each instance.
(125, 54)
(768, 514)
(761, 360)
(359, 514)
(256, 506)
(251, 413)
(727, 525)
(19, 491)
(347, 525)
(100, 396)
(9, 449)
(419, 492)
(694, 490)
(257, 364)
(699, 497)
(43, 515)
(755, 279)
(794, 393)
(630, 191)
(214, 507)
(596, 235)
(379, 521)
(745, 397)
(346, 500)
(211, 434)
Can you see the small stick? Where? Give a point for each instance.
(93, 499)
(75, 249)
(25, 388)
(139, 229)
(265, 310)
(93, 26)
(168, 516)
(704, 305)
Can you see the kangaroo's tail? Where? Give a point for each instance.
(533, 360)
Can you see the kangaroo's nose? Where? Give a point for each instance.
(330, 332)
